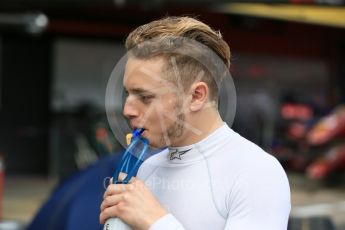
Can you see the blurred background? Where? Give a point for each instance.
(288, 65)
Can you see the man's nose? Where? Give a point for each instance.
(130, 110)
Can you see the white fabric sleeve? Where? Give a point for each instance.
(167, 222)
(260, 200)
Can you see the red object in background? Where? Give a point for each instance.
(296, 111)
(2, 178)
(101, 133)
(328, 128)
(296, 131)
(333, 160)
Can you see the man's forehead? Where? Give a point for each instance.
(140, 71)
(154, 63)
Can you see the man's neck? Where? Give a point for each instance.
(199, 126)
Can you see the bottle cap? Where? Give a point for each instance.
(128, 138)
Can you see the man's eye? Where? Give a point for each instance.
(146, 98)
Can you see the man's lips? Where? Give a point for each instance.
(136, 127)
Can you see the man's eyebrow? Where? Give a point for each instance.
(138, 91)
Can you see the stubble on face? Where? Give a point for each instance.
(171, 134)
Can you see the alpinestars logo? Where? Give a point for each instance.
(177, 154)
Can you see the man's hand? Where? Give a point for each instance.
(133, 203)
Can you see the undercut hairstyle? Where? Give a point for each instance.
(191, 49)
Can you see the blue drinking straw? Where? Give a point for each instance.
(124, 165)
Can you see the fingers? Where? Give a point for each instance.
(111, 201)
(110, 180)
(122, 177)
(115, 199)
(118, 198)
(117, 189)
(115, 193)
(107, 213)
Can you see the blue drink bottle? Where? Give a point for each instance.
(136, 142)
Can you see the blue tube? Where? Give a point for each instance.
(124, 165)
(137, 164)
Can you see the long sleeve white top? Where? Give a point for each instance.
(222, 182)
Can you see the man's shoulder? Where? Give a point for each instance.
(240, 154)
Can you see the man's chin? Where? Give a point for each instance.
(156, 144)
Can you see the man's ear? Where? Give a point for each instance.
(200, 93)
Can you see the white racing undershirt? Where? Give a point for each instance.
(221, 182)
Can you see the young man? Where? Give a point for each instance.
(209, 177)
